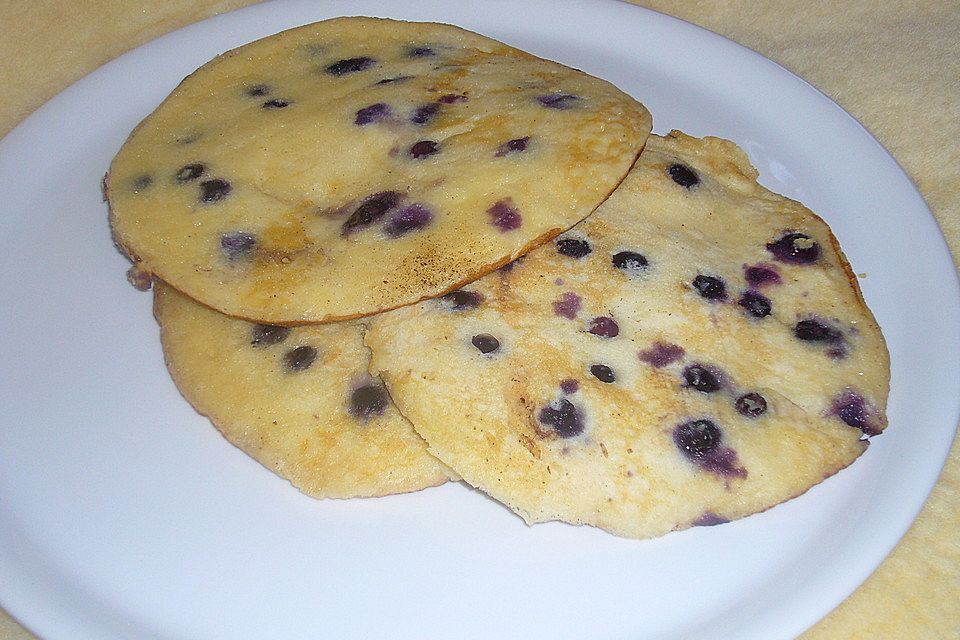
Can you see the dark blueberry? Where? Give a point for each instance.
(423, 149)
(756, 304)
(709, 519)
(452, 98)
(420, 52)
(214, 190)
(795, 248)
(630, 261)
(485, 343)
(683, 175)
(142, 182)
(701, 378)
(394, 79)
(409, 218)
(605, 327)
(558, 100)
(814, 331)
(512, 146)
(462, 300)
(504, 215)
(573, 247)
(697, 438)
(661, 354)
(373, 113)
(300, 358)
(852, 409)
(258, 90)
(265, 335)
(425, 113)
(276, 103)
(350, 65)
(603, 373)
(710, 287)
(569, 386)
(371, 210)
(567, 306)
(751, 405)
(237, 245)
(368, 401)
(190, 172)
(761, 274)
(563, 417)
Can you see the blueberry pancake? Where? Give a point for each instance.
(354, 165)
(696, 351)
(298, 400)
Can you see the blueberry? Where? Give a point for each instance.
(603, 373)
(795, 248)
(629, 261)
(756, 304)
(852, 409)
(276, 103)
(569, 386)
(563, 417)
(425, 113)
(567, 306)
(761, 274)
(462, 300)
(710, 287)
(683, 175)
(423, 149)
(701, 378)
(512, 146)
(372, 114)
(214, 190)
(751, 405)
(300, 358)
(190, 172)
(814, 331)
(371, 210)
(709, 519)
(265, 335)
(368, 401)
(237, 245)
(350, 65)
(697, 438)
(452, 98)
(661, 354)
(573, 247)
(409, 218)
(605, 327)
(258, 90)
(485, 343)
(558, 100)
(504, 215)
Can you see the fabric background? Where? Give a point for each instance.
(895, 66)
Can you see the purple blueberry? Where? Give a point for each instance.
(710, 287)
(237, 245)
(214, 190)
(751, 405)
(485, 343)
(604, 326)
(629, 261)
(573, 247)
(190, 172)
(853, 410)
(795, 248)
(603, 373)
(512, 146)
(700, 442)
(563, 417)
(409, 218)
(265, 335)
(372, 114)
(452, 98)
(371, 210)
(558, 101)
(504, 215)
(423, 149)
(350, 65)
(299, 359)
(683, 175)
(462, 300)
(368, 401)
(709, 519)
(761, 274)
(661, 354)
(816, 331)
(756, 304)
(567, 306)
(425, 113)
(701, 378)
(276, 103)
(569, 385)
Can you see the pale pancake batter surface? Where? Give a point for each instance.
(359, 164)
(298, 400)
(694, 352)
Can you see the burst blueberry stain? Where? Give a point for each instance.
(462, 300)
(190, 172)
(629, 261)
(559, 101)
(452, 98)
(795, 248)
(504, 215)
(701, 378)
(368, 401)
(573, 247)
(603, 373)
(710, 287)
(661, 354)
(420, 52)
(410, 218)
(485, 343)
(237, 245)
(569, 385)
(371, 210)
(751, 405)
(512, 146)
(709, 519)
(350, 65)
(265, 335)
(276, 103)
(258, 90)
(756, 304)
(300, 358)
(372, 114)
(563, 417)
(214, 190)
(851, 407)
(816, 331)
(760, 275)
(683, 175)
(604, 326)
(423, 149)
(567, 306)
(425, 113)
(142, 182)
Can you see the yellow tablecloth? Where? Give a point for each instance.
(894, 65)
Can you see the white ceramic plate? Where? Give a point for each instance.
(125, 515)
